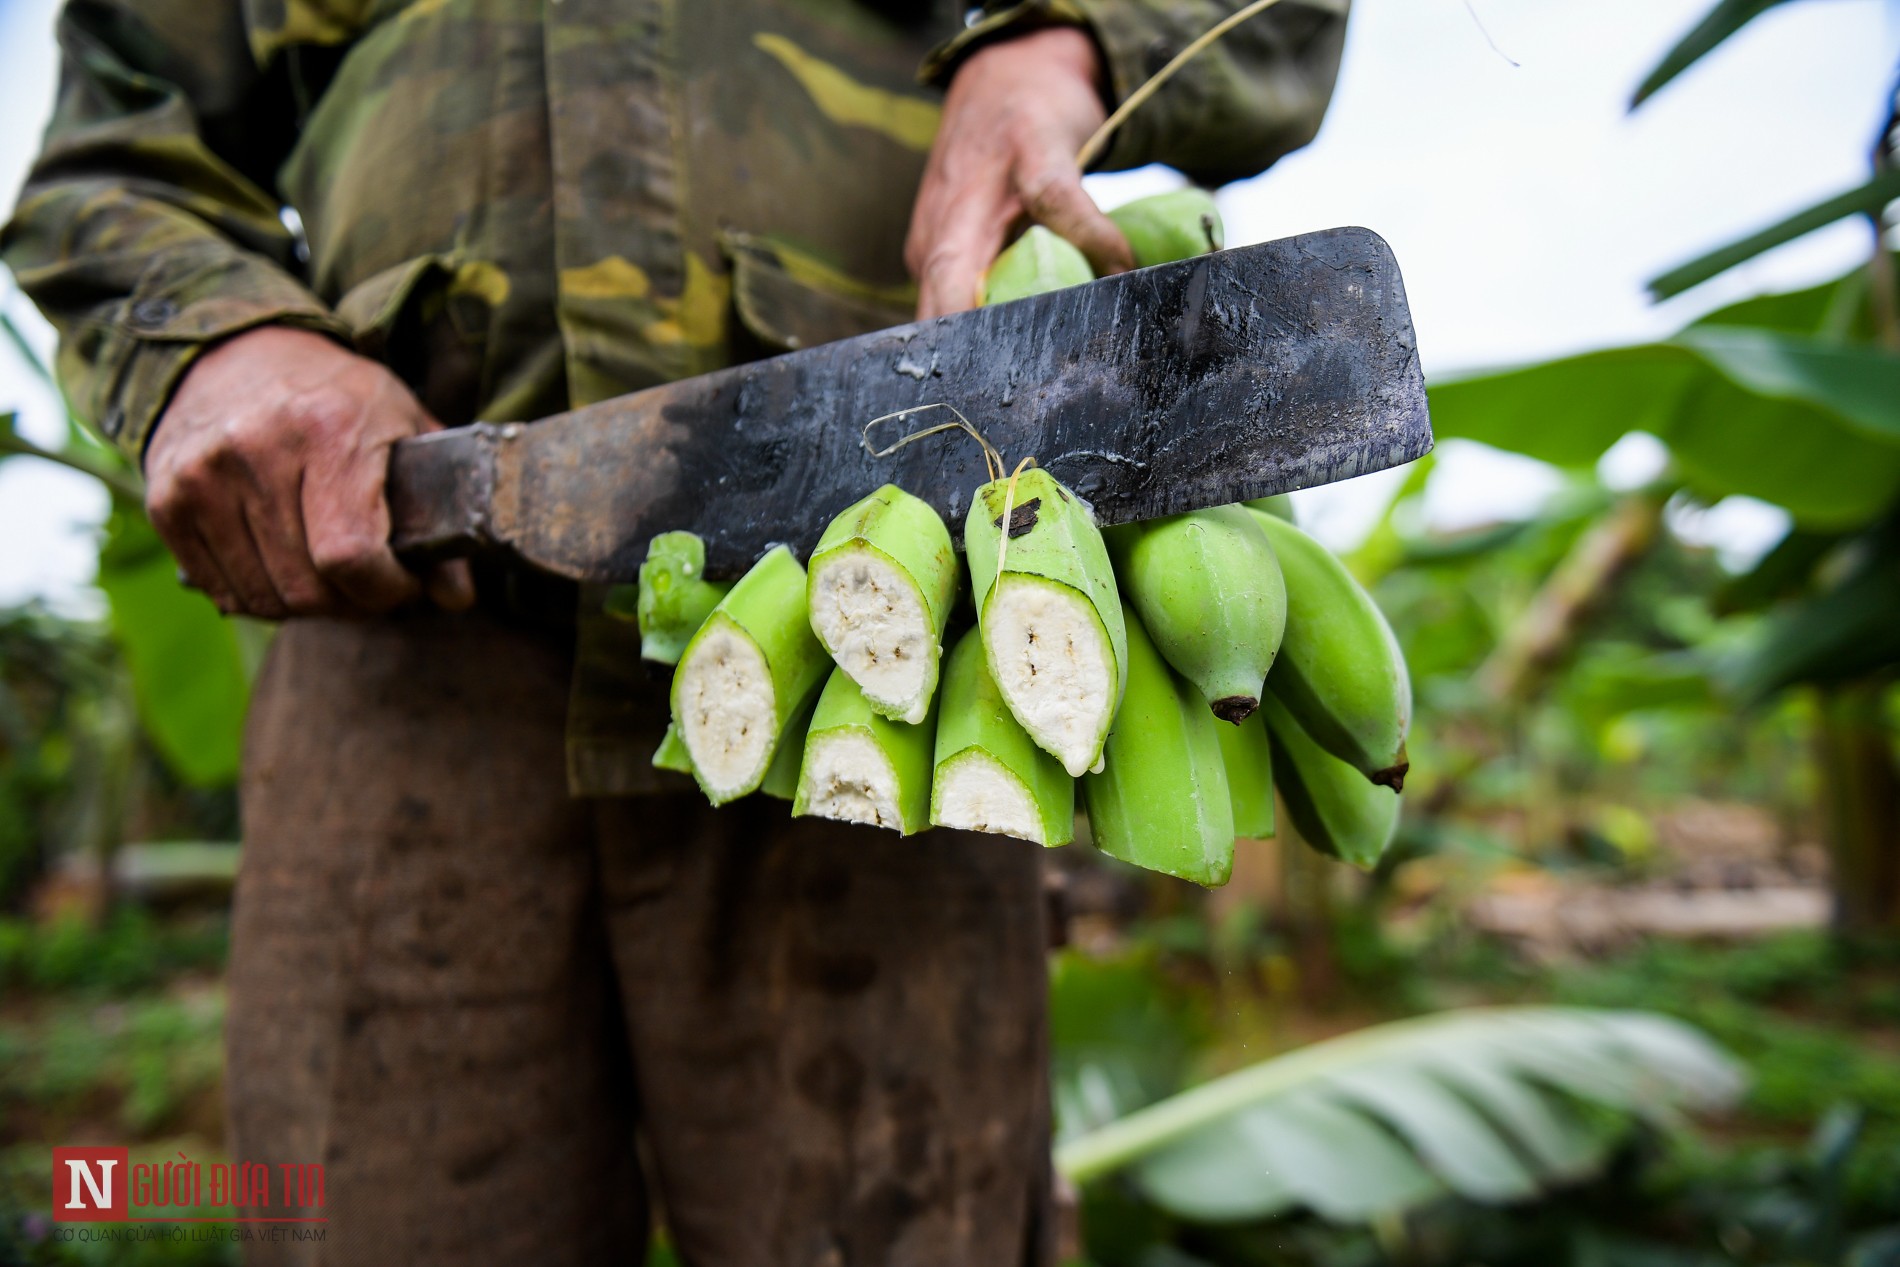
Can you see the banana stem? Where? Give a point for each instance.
(1580, 583)
(1093, 147)
(124, 484)
(1860, 805)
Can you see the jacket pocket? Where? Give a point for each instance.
(786, 298)
(408, 317)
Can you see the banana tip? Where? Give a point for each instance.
(1237, 708)
(1393, 776)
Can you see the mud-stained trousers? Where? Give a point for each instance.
(501, 1018)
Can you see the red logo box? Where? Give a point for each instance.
(89, 1184)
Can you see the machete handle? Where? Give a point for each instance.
(441, 490)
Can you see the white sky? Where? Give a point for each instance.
(1524, 205)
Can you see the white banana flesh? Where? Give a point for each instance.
(1053, 663)
(873, 621)
(848, 778)
(976, 792)
(725, 707)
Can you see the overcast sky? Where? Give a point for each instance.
(1524, 205)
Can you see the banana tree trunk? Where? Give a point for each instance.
(1860, 807)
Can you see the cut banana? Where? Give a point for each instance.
(883, 579)
(1051, 621)
(990, 775)
(745, 675)
(861, 767)
(674, 595)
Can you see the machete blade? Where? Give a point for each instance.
(1251, 371)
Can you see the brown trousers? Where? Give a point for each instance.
(467, 994)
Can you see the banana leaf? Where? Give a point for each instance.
(1494, 1105)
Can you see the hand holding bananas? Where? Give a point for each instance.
(1175, 668)
(1017, 112)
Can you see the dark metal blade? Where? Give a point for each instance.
(1257, 370)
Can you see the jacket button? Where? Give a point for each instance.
(153, 312)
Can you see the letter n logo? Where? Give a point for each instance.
(89, 1185)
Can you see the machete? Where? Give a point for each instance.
(1235, 375)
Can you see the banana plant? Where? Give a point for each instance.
(1795, 400)
(1489, 1104)
(191, 669)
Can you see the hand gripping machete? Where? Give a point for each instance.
(1251, 371)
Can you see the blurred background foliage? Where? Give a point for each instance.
(1626, 992)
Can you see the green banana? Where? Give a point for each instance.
(990, 775)
(1051, 622)
(1172, 226)
(1161, 801)
(860, 766)
(1335, 810)
(674, 595)
(1280, 506)
(1248, 755)
(672, 754)
(1209, 592)
(781, 778)
(882, 581)
(1034, 263)
(744, 676)
(1340, 670)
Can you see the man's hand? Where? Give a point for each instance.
(265, 477)
(1016, 114)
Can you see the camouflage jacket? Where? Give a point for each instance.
(526, 205)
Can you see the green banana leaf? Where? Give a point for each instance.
(1784, 572)
(1489, 1104)
(1804, 423)
(190, 667)
(1724, 20)
(1864, 200)
(1845, 631)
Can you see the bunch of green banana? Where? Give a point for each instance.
(745, 675)
(674, 597)
(990, 775)
(1037, 262)
(1340, 672)
(882, 580)
(1208, 590)
(1167, 227)
(1051, 618)
(1113, 672)
(1161, 800)
(859, 766)
(1333, 807)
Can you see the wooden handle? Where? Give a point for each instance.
(441, 492)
